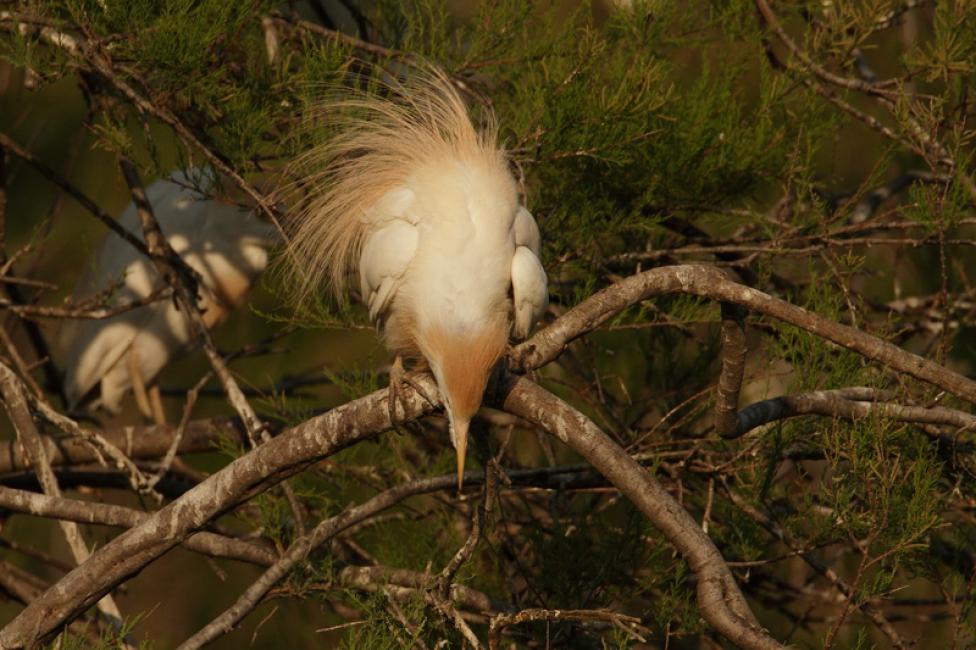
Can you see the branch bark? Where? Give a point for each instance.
(733, 365)
(708, 282)
(264, 466)
(721, 602)
(88, 512)
(16, 404)
(854, 402)
(136, 442)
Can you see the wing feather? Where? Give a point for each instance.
(386, 254)
(527, 231)
(530, 292)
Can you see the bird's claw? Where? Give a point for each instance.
(399, 377)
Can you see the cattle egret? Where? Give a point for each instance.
(427, 208)
(226, 245)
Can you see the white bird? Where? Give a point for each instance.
(227, 246)
(427, 208)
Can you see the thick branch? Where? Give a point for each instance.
(16, 404)
(721, 602)
(708, 282)
(346, 425)
(89, 512)
(255, 472)
(851, 403)
(24, 587)
(138, 443)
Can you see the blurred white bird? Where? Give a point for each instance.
(228, 247)
(448, 260)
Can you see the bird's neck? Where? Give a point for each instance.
(462, 361)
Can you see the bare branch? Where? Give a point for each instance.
(84, 311)
(304, 545)
(16, 404)
(721, 602)
(370, 578)
(137, 443)
(72, 510)
(733, 365)
(708, 282)
(175, 274)
(629, 624)
(257, 471)
(851, 403)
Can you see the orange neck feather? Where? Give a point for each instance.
(465, 362)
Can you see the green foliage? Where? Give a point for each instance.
(107, 638)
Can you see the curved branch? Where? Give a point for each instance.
(258, 470)
(707, 282)
(722, 603)
(324, 435)
(304, 545)
(851, 403)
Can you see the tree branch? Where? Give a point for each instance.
(851, 403)
(79, 196)
(721, 602)
(300, 549)
(264, 466)
(707, 282)
(319, 437)
(733, 365)
(16, 404)
(88, 512)
(137, 442)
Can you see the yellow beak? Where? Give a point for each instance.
(459, 436)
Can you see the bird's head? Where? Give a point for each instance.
(462, 361)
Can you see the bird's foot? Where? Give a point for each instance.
(398, 380)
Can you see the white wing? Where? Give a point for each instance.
(226, 245)
(530, 293)
(527, 231)
(386, 255)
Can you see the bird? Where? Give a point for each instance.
(228, 246)
(423, 206)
